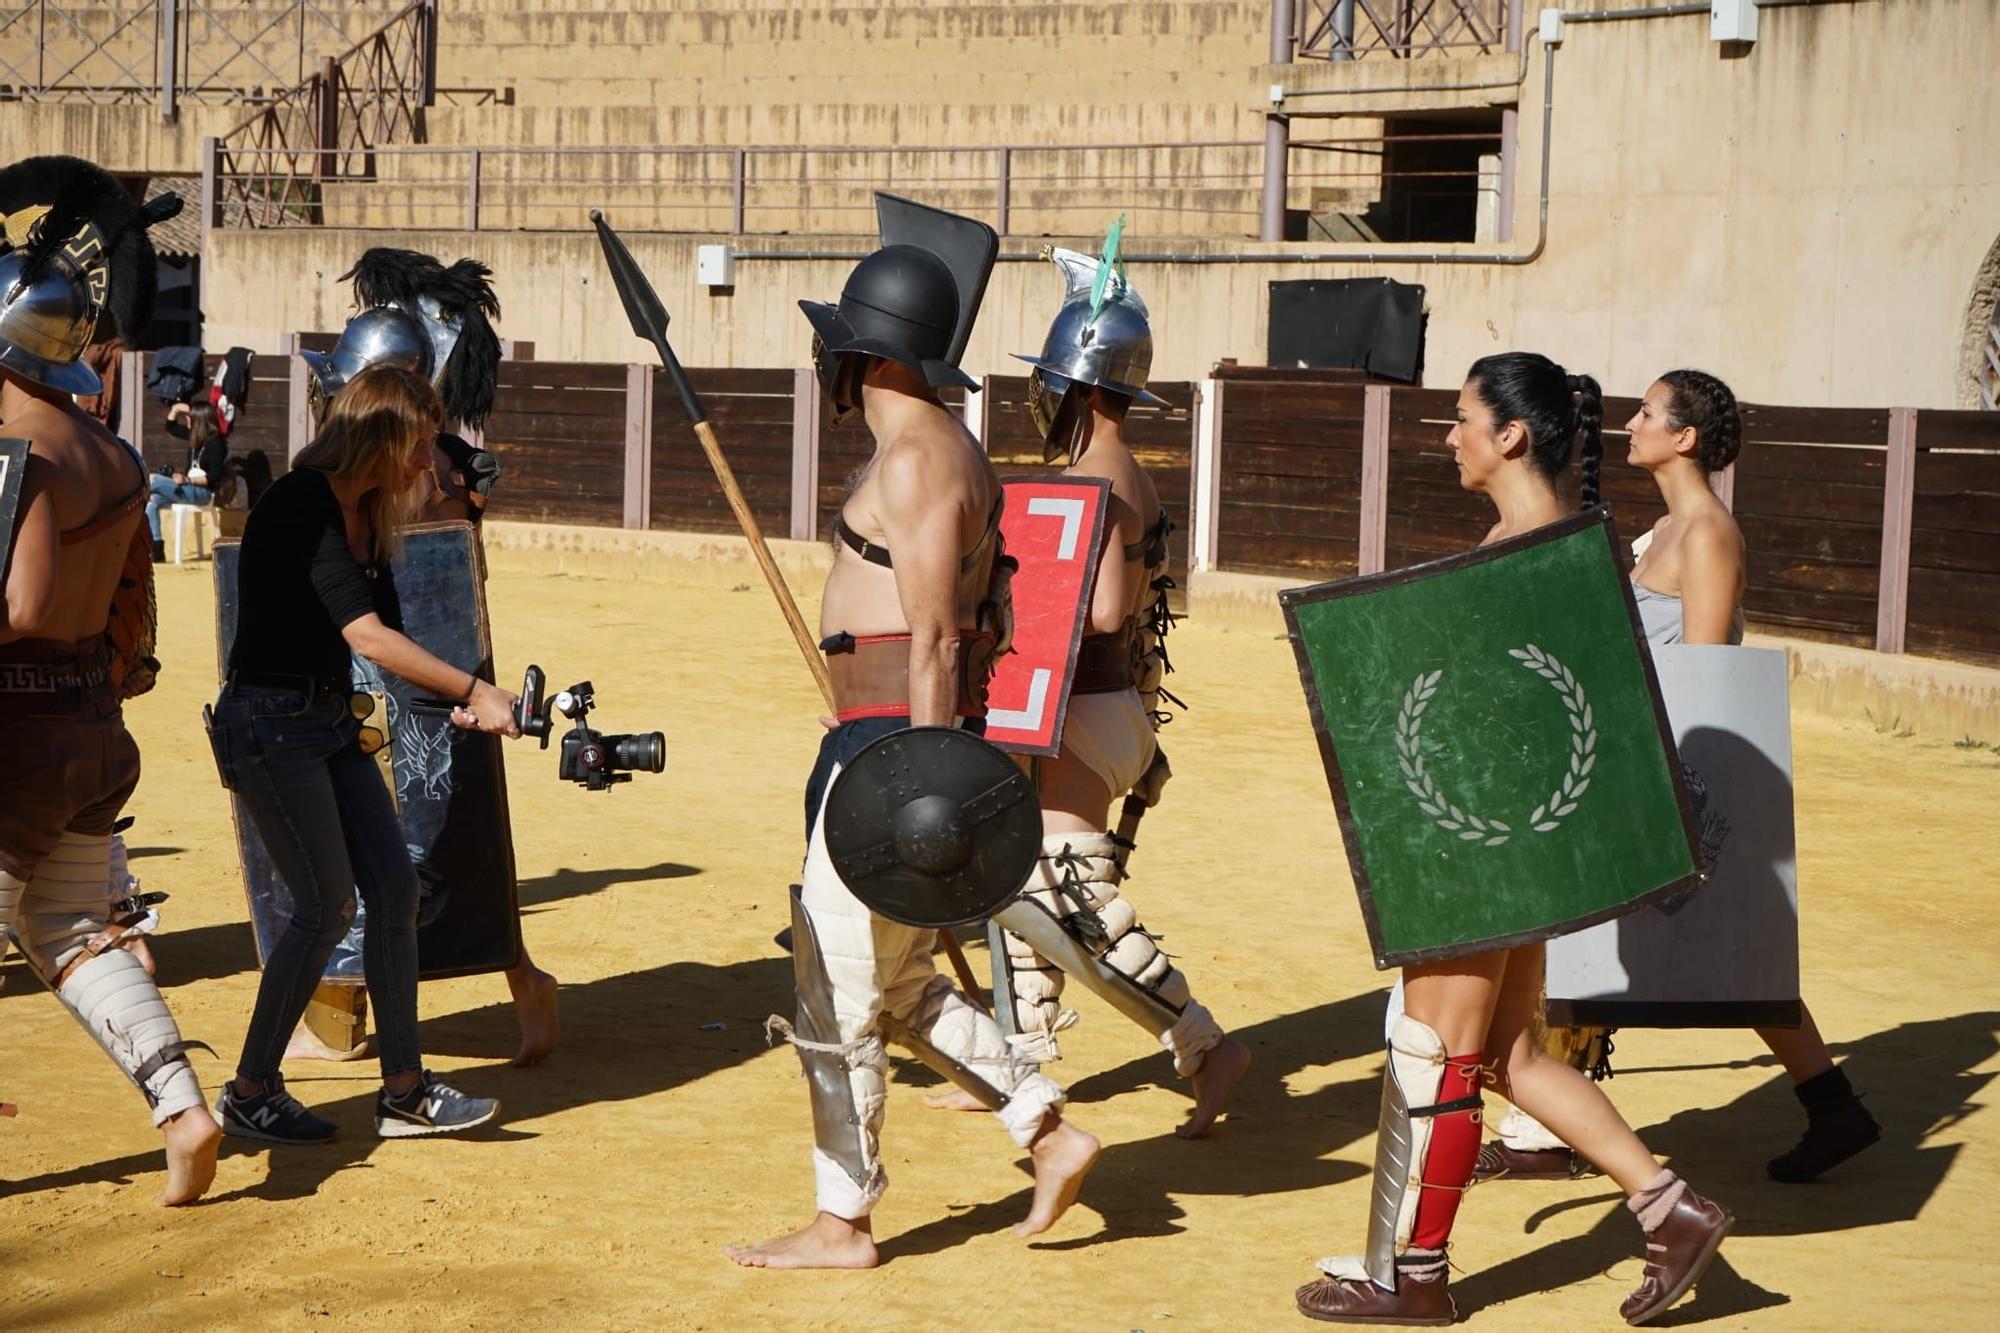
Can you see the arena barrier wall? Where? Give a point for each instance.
(1873, 528)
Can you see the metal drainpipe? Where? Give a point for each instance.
(1277, 132)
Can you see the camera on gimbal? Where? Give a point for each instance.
(592, 759)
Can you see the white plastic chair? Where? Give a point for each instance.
(204, 520)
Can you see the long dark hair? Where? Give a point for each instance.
(1697, 398)
(1560, 410)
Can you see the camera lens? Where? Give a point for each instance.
(641, 752)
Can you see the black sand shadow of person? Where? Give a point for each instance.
(567, 883)
(1919, 1078)
(1269, 1141)
(228, 948)
(626, 1037)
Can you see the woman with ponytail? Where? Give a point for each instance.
(1521, 418)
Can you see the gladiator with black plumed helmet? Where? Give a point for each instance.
(435, 320)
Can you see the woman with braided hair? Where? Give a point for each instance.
(1520, 419)
(1689, 580)
(1689, 583)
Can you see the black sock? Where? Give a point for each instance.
(1823, 1093)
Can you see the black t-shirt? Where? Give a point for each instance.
(298, 586)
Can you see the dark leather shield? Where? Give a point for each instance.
(933, 827)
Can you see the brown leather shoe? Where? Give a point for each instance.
(1498, 1160)
(1677, 1251)
(1416, 1302)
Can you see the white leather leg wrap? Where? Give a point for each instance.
(876, 966)
(61, 908)
(65, 902)
(950, 1022)
(122, 1007)
(1091, 864)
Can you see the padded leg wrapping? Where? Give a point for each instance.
(881, 982)
(1412, 1080)
(1076, 881)
(59, 911)
(121, 1006)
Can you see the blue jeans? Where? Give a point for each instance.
(848, 739)
(328, 822)
(167, 491)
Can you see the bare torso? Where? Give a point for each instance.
(78, 472)
(1122, 584)
(863, 598)
(1663, 567)
(1074, 797)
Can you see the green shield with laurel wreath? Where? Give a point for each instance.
(1492, 731)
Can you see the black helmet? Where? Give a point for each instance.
(912, 301)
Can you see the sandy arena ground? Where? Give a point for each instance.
(665, 1128)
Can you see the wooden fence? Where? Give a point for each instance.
(1877, 527)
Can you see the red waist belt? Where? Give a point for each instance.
(871, 674)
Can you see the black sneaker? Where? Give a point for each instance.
(273, 1115)
(432, 1107)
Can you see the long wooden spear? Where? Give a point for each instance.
(649, 321)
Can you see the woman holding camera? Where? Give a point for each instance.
(315, 584)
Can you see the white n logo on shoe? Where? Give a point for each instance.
(265, 1116)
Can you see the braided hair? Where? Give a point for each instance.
(1698, 399)
(1559, 409)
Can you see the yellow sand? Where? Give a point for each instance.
(665, 1128)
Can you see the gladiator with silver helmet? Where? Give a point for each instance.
(1101, 338)
(424, 316)
(73, 255)
(1074, 921)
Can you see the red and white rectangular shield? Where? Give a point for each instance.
(1055, 527)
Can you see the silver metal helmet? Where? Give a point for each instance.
(384, 336)
(1100, 338)
(427, 317)
(46, 321)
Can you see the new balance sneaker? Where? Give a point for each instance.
(431, 1107)
(273, 1115)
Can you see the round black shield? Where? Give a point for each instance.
(933, 827)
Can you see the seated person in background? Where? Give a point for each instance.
(197, 481)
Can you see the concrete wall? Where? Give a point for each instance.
(1808, 219)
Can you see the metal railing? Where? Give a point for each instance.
(1404, 29)
(170, 51)
(273, 169)
(271, 175)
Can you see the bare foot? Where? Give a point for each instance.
(535, 1006)
(956, 1100)
(192, 1137)
(826, 1242)
(1220, 1068)
(1063, 1156)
